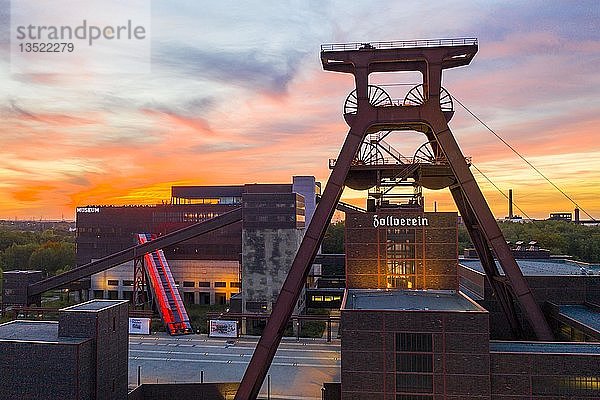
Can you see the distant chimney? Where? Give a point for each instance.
(510, 204)
(576, 215)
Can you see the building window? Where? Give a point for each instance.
(98, 294)
(235, 284)
(413, 397)
(256, 306)
(188, 297)
(188, 284)
(418, 383)
(414, 342)
(203, 284)
(220, 298)
(113, 282)
(220, 284)
(401, 264)
(204, 298)
(571, 386)
(127, 283)
(414, 363)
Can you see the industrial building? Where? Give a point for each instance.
(207, 269)
(410, 331)
(82, 356)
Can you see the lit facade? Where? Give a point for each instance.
(408, 333)
(208, 268)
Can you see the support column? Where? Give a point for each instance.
(486, 222)
(273, 332)
(139, 295)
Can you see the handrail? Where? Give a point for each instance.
(399, 44)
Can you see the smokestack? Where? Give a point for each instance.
(510, 204)
(576, 215)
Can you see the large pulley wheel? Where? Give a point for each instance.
(377, 98)
(416, 97)
(368, 154)
(426, 155)
(434, 172)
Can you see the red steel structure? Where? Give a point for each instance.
(367, 111)
(167, 297)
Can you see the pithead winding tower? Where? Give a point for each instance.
(368, 111)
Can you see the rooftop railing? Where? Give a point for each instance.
(399, 44)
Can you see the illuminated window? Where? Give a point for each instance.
(113, 282)
(127, 283)
(235, 284)
(400, 270)
(220, 284)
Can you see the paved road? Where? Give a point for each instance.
(297, 372)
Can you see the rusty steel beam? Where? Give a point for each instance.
(133, 252)
(288, 296)
(500, 289)
(427, 117)
(487, 225)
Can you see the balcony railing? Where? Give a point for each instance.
(399, 44)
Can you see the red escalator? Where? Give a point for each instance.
(168, 300)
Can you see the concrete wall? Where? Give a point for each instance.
(267, 257)
(46, 371)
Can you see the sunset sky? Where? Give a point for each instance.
(237, 95)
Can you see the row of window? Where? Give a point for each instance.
(263, 204)
(187, 284)
(567, 385)
(188, 297)
(325, 298)
(271, 218)
(197, 217)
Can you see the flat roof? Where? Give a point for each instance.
(541, 267)
(585, 315)
(407, 300)
(20, 271)
(94, 305)
(545, 347)
(35, 331)
(205, 192)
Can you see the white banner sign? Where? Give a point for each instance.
(221, 328)
(139, 326)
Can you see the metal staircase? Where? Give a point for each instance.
(168, 301)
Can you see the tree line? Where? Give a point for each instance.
(50, 251)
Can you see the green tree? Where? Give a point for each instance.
(17, 256)
(52, 257)
(8, 238)
(333, 242)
